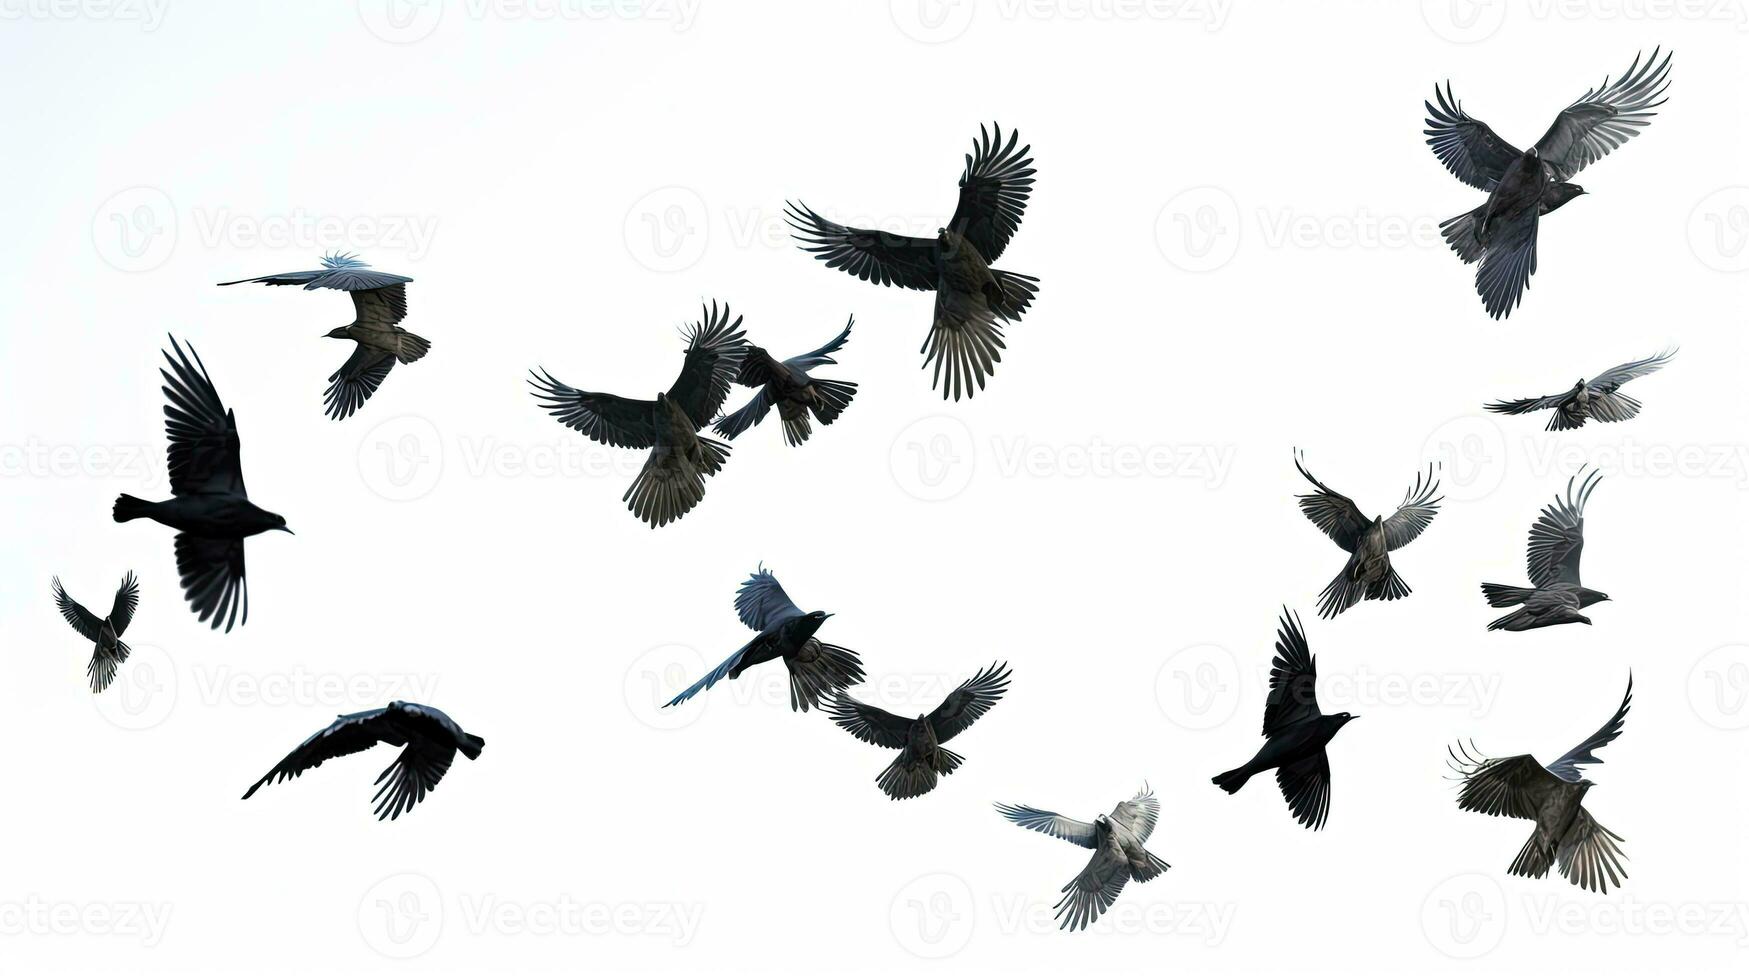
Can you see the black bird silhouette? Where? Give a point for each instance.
(379, 300)
(106, 632)
(922, 756)
(1600, 398)
(1557, 540)
(788, 385)
(208, 503)
(1295, 732)
(816, 669)
(429, 740)
(1566, 835)
(672, 480)
(965, 338)
(1118, 855)
(1368, 573)
(1523, 186)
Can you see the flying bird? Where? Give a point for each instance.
(1566, 834)
(672, 480)
(105, 632)
(972, 300)
(1600, 398)
(1556, 541)
(428, 739)
(379, 301)
(816, 669)
(1524, 185)
(1369, 543)
(1295, 731)
(922, 756)
(207, 504)
(1118, 855)
(788, 385)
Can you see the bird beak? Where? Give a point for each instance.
(830, 615)
(289, 531)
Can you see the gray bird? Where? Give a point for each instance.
(208, 504)
(1557, 541)
(816, 669)
(787, 385)
(1600, 398)
(672, 480)
(1368, 573)
(972, 300)
(429, 740)
(922, 756)
(1566, 834)
(1295, 731)
(110, 651)
(1118, 855)
(1523, 186)
(379, 300)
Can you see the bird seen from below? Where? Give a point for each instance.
(109, 652)
(1118, 855)
(672, 480)
(1524, 185)
(1368, 573)
(1557, 540)
(972, 300)
(379, 301)
(208, 505)
(1295, 732)
(922, 756)
(1566, 835)
(787, 385)
(786, 633)
(428, 739)
(1600, 398)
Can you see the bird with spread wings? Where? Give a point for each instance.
(922, 756)
(1557, 541)
(1368, 573)
(1600, 398)
(104, 632)
(1118, 855)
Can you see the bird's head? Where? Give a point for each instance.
(817, 617)
(1102, 821)
(1343, 718)
(338, 333)
(1583, 619)
(277, 523)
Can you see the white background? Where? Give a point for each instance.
(1234, 225)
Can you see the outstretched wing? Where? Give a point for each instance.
(815, 358)
(1466, 145)
(211, 572)
(127, 599)
(1557, 539)
(1507, 266)
(414, 773)
(994, 187)
(628, 423)
(1087, 897)
(1305, 784)
(1523, 406)
(1334, 514)
(714, 348)
(1621, 374)
(1567, 766)
(709, 680)
(381, 307)
(1588, 855)
(347, 735)
(969, 701)
(1139, 813)
(1414, 513)
(867, 722)
(77, 616)
(1605, 117)
(745, 417)
(762, 603)
(1293, 678)
(356, 380)
(204, 448)
(880, 257)
(1506, 787)
(1055, 824)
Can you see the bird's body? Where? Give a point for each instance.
(922, 756)
(108, 651)
(208, 503)
(816, 669)
(1557, 542)
(1600, 398)
(1525, 185)
(796, 394)
(1369, 542)
(972, 300)
(1118, 843)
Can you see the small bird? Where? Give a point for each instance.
(788, 385)
(672, 480)
(207, 504)
(1600, 398)
(921, 754)
(1368, 573)
(1566, 835)
(1557, 540)
(429, 740)
(965, 338)
(816, 669)
(1295, 731)
(1523, 186)
(110, 651)
(379, 300)
(1118, 855)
